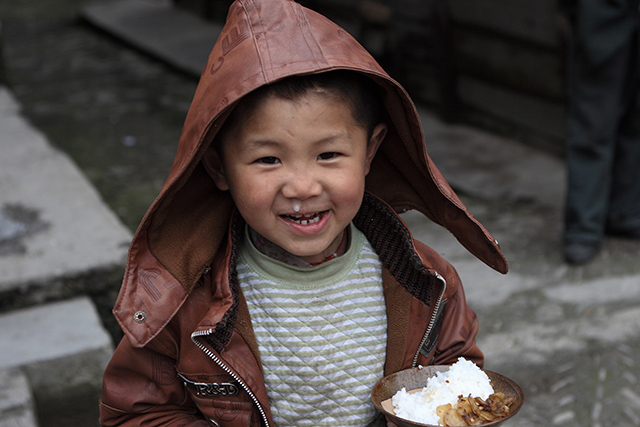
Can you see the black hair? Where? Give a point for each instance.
(361, 93)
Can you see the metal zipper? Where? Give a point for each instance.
(414, 363)
(228, 370)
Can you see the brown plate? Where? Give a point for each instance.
(416, 378)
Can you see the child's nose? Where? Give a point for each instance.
(301, 184)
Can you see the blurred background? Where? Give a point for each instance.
(93, 95)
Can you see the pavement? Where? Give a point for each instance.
(569, 336)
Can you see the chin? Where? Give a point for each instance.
(308, 254)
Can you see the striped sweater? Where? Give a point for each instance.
(321, 332)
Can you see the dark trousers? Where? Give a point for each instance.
(603, 144)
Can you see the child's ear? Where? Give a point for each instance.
(377, 136)
(213, 165)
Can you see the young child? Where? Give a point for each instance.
(272, 281)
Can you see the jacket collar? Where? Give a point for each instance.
(391, 240)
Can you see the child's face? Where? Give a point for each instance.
(308, 153)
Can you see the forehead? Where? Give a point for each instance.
(319, 99)
(325, 97)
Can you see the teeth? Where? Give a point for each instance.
(311, 221)
(306, 219)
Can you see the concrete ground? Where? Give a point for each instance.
(569, 336)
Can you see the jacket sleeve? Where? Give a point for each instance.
(459, 325)
(141, 387)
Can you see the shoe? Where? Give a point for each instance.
(578, 253)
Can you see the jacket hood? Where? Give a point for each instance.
(264, 41)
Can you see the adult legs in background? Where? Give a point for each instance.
(603, 149)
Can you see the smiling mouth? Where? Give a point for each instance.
(305, 219)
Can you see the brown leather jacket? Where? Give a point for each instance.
(189, 356)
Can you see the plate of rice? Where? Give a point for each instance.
(458, 395)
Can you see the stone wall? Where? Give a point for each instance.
(510, 57)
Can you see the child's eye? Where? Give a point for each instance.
(328, 156)
(268, 160)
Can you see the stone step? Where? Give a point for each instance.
(16, 400)
(58, 238)
(176, 36)
(60, 347)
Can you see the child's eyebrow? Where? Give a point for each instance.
(259, 143)
(333, 138)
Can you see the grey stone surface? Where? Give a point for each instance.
(59, 345)
(172, 34)
(493, 167)
(53, 223)
(16, 400)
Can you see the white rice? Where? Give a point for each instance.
(463, 378)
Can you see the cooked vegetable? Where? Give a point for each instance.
(474, 411)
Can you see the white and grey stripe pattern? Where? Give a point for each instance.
(322, 343)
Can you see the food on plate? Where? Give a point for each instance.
(442, 401)
(474, 411)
